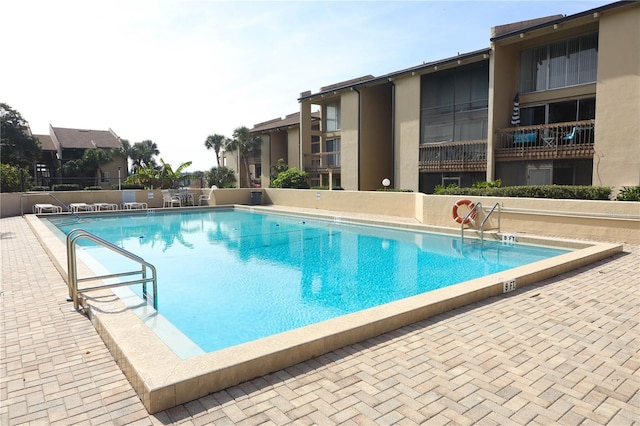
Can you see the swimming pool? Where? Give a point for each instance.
(162, 379)
(227, 277)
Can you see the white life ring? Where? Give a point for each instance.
(457, 218)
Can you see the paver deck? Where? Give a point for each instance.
(563, 351)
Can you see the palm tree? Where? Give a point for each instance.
(216, 142)
(142, 155)
(126, 151)
(247, 146)
(168, 177)
(92, 159)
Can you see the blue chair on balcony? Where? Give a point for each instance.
(571, 136)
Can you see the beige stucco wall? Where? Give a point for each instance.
(503, 86)
(368, 202)
(376, 156)
(615, 221)
(349, 163)
(293, 148)
(304, 142)
(407, 133)
(617, 158)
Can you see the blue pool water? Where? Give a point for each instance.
(226, 277)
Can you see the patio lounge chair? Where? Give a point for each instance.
(76, 207)
(132, 205)
(104, 206)
(207, 197)
(46, 208)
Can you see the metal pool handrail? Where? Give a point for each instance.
(72, 268)
(475, 208)
(487, 218)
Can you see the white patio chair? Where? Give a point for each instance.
(207, 197)
(169, 200)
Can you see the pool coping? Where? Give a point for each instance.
(162, 380)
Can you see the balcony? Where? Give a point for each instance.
(468, 156)
(322, 162)
(550, 141)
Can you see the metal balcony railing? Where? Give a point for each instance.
(558, 140)
(453, 156)
(322, 161)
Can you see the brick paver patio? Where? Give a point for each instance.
(564, 351)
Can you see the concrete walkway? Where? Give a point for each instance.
(564, 351)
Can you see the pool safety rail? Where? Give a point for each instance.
(478, 207)
(53, 208)
(72, 269)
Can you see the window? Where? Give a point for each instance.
(332, 148)
(560, 64)
(106, 177)
(559, 112)
(315, 149)
(450, 180)
(454, 104)
(332, 119)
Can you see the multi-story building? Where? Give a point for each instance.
(575, 81)
(62, 145)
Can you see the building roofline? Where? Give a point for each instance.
(390, 76)
(561, 20)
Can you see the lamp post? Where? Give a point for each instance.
(386, 182)
(119, 184)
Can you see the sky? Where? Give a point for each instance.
(175, 72)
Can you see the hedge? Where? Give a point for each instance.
(584, 192)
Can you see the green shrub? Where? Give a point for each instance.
(40, 189)
(292, 178)
(629, 193)
(495, 184)
(92, 188)
(576, 192)
(66, 187)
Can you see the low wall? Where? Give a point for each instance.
(616, 221)
(17, 203)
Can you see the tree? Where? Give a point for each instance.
(159, 177)
(17, 147)
(248, 146)
(216, 142)
(14, 178)
(142, 154)
(92, 159)
(170, 178)
(126, 151)
(222, 177)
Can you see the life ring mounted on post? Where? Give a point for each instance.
(470, 218)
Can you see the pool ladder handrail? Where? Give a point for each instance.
(51, 196)
(477, 207)
(72, 269)
(496, 205)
